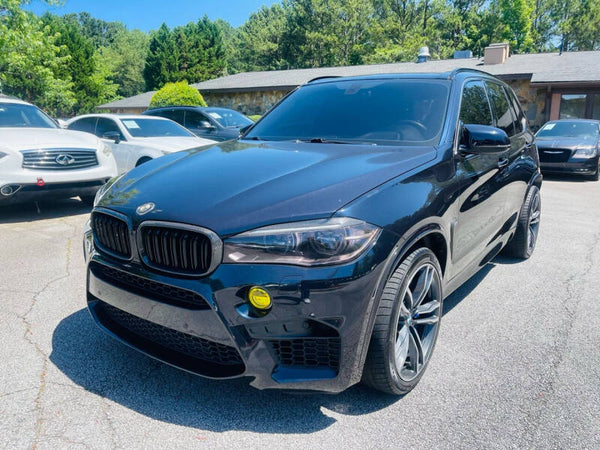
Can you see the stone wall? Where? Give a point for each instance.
(249, 103)
(533, 101)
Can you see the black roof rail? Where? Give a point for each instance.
(468, 69)
(323, 78)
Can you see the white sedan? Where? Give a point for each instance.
(135, 139)
(40, 160)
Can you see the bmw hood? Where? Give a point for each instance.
(236, 186)
(40, 138)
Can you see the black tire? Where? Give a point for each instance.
(523, 242)
(382, 370)
(88, 200)
(143, 160)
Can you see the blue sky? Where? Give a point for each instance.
(149, 14)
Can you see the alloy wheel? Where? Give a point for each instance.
(534, 222)
(418, 322)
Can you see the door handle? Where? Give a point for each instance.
(502, 162)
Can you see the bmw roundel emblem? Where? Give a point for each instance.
(145, 208)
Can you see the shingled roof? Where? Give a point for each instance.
(539, 68)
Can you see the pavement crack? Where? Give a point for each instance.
(571, 304)
(29, 337)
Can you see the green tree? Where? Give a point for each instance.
(191, 52)
(177, 94)
(258, 41)
(30, 61)
(228, 34)
(125, 58)
(327, 32)
(82, 65)
(162, 62)
(201, 55)
(101, 33)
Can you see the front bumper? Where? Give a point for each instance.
(314, 337)
(21, 193)
(580, 166)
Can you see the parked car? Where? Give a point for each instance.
(316, 251)
(136, 139)
(570, 146)
(38, 160)
(219, 124)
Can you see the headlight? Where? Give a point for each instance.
(2, 155)
(586, 152)
(88, 241)
(106, 149)
(105, 188)
(309, 243)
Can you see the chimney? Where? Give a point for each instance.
(496, 53)
(424, 55)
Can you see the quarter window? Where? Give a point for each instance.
(474, 107)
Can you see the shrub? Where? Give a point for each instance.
(177, 94)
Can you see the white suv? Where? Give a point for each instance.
(40, 160)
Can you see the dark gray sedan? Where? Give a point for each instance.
(570, 146)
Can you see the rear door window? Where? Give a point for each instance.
(503, 116)
(195, 119)
(87, 124)
(176, 115)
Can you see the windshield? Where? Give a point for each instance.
(389, 112)
(569, 129)
(229, 118)
(144, 128)
(24, 116)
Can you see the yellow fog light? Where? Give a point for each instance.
(259, 298)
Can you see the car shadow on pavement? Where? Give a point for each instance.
(109, 369)
(30, 212)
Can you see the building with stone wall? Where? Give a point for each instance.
(549, 85)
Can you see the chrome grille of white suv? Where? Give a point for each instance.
(59, 158)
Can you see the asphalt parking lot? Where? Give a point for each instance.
(517, 363)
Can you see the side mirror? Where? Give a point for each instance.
(113, 136)
(483, 139)
(205, 125)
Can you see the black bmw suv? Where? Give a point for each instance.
(316, 250)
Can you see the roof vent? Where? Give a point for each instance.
(463, 54)
(424, 55)
(496, 53)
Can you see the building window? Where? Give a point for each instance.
(572, 106)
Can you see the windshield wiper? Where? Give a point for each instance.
(319, 140)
